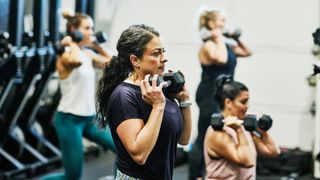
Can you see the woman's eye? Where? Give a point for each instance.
(156, 54)
(244, 102)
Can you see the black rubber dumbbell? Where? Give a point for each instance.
(217, 122)
(250, 122)
(235, 35)
(175, 82)
(100, 37)
(265, 122)
(77, 37)
(316, 36)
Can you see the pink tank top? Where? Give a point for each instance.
(220, 168)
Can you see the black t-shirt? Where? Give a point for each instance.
(126, 103)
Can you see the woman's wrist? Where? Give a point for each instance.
(159, 106)
(184, 103)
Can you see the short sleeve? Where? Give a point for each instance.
(124, 105)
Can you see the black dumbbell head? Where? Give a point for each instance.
(237, 34)
(265, 122)
(250, 122)
(101, 37)
(59, 48)
(316, 36)
(76, 36)
(316, 70)
(217, 121)
(177, 81)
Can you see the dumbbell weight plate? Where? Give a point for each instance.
(250, 122)
(217, 121)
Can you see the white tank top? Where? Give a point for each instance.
(78, 89)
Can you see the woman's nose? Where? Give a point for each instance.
(164, 60)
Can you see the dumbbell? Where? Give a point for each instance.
(77, 36)
(174, 82)
(316, 36)
(100, 37)
(217, 122)
(250, 122)
(235, 35)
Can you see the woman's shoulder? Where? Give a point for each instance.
(126, 90)
(208, 45)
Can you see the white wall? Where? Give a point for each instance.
(278, 32)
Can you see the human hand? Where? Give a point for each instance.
(233, 122)
(152, 94)
(66, 41)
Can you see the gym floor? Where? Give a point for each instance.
(101, 168)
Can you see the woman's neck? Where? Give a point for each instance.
(225, 114)
(134, 78)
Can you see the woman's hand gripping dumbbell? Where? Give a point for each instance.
(250, 122)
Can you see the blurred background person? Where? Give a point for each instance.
(217, 55)
(76, 109)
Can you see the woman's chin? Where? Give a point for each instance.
(161, 72)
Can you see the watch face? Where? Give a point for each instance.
(184, 104)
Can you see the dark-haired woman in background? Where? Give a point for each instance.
(76, 110)
(231, 153)
(145, 123)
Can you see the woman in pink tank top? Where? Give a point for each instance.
(231, 153)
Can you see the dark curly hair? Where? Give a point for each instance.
(226, 87)
(132, 41)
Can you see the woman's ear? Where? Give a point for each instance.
(135, 61)
(211, 24)
(227, 103)
(72, 28)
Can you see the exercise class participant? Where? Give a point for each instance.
(217, 55)
(145, 123)
(76, 110)
(231, 153)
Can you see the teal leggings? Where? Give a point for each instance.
(70, 129)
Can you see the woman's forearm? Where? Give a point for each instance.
(187, 125)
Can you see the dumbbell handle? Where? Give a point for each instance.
(160, 80)
(250, 122)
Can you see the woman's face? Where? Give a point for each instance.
(86, 28)
(239, 106)
(219, 21)
(153, 59)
